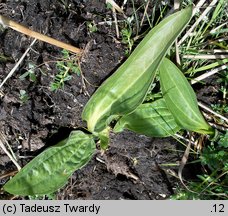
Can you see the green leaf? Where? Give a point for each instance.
(104, 138)
(181, 99)
(223, 142)
(50, 170)
(125, 90)
(151, 119)
(24, 75)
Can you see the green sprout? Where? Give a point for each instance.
(29, 73)
(24, 97)
(127, 39)
(91, 27)
(65, 67)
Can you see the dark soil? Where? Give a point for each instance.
(132, 166)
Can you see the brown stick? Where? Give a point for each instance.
(22, 29)
(12, 173)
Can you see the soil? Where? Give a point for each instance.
(132, 166)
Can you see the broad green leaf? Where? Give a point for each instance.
(151, 119)
(181, 100)
(125, 90)
(50, 170)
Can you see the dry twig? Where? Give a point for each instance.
(9, 155)
(203, 56)
(17, 64)
(211, 5)
(208, 74)
(22, 29)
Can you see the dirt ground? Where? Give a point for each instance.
(132, 168)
